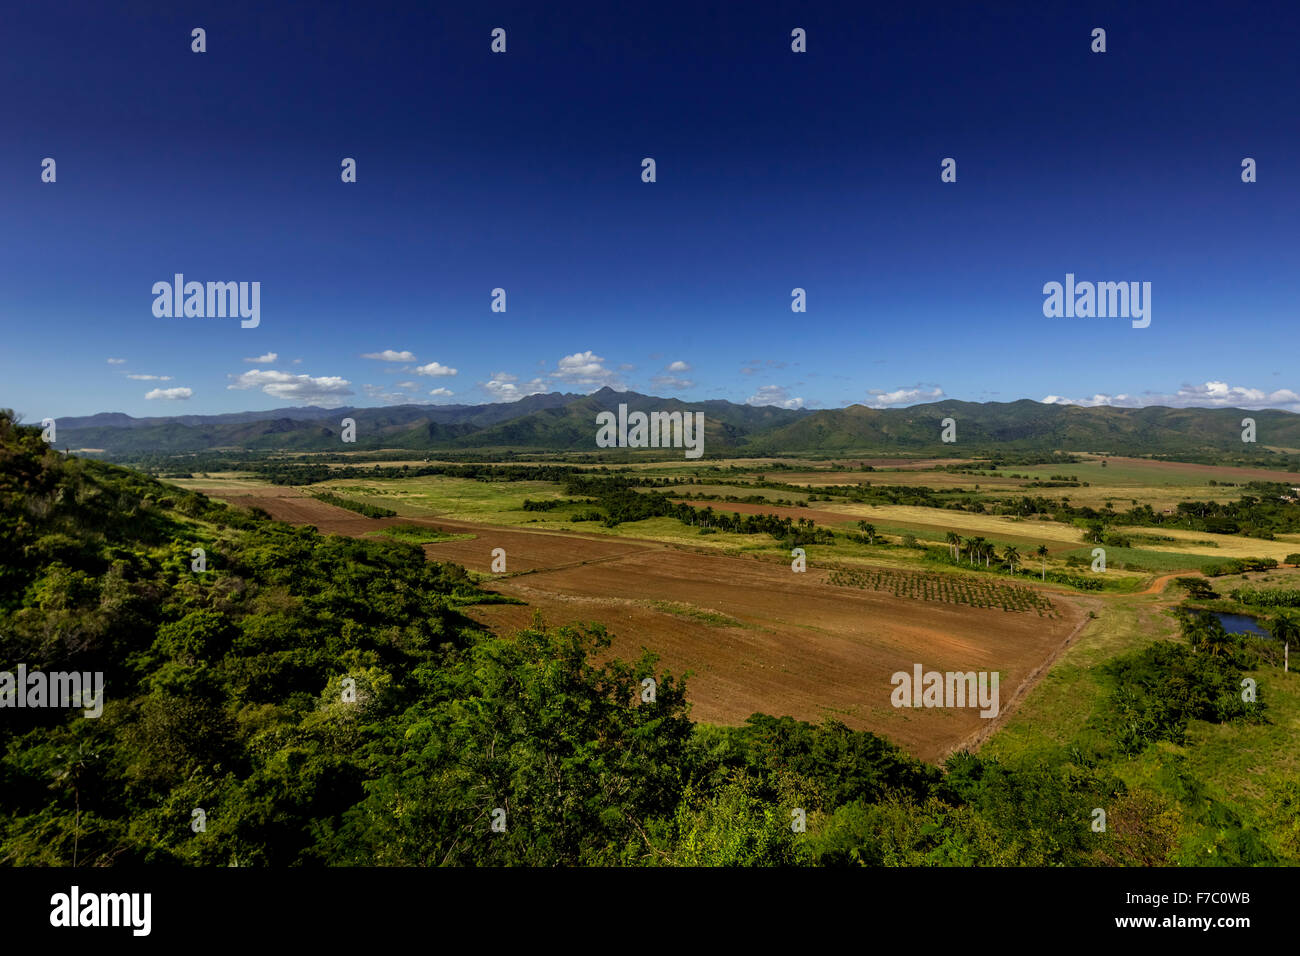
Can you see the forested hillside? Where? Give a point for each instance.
(230, 733)
(566, 423)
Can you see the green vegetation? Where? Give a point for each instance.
(1159, 690)
(1141, 559)
(706, 617)
(360, 507)
(948, 589)
(326, 701)
(1267, 597)
(1240, 566)
(420, 534)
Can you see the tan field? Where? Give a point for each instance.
(1229, 546)
(928, 523)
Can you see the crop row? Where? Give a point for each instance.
(947, 589)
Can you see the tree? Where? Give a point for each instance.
(732, 827)
(1283, 628)
(548, 734)
(1011, 554)
(1214, 638)
(954, 544)
(1293, 559)
(1042, 554)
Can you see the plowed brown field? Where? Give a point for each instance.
(800, 647)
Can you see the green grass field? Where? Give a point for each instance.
(418, 534)
(1241, 765)
(1142, 559)
(457, 498)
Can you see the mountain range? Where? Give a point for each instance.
(566, 422)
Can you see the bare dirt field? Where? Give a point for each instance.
(755, 636)
(804, 648)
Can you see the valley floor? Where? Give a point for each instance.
(753, 635)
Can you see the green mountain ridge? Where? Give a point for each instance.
(566, 423)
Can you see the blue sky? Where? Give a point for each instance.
(522, 171)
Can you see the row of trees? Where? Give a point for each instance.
(979, 548)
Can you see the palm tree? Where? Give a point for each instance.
(1214, 638)
(1042, 553)
(1284, 629)
(1011, 555)
(869, 530)
(954, 545)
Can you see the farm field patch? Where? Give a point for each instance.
(802, 647)
(809, 649)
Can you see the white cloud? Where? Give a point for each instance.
(266, 359)
(117, 361)
(170, 394)
(433, 368)
(388, 355)
(669, 378)
(408, 385)
(441, 391)
(1122, 401)
(774, 395)
(149, 378)
(388, 398)
(1206, 395)
(502, 386)
(585, 368)
(911, 395)
(672, 381)
(321, 390)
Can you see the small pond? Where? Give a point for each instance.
(1241, 624)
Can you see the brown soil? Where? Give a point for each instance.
(802, 647)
